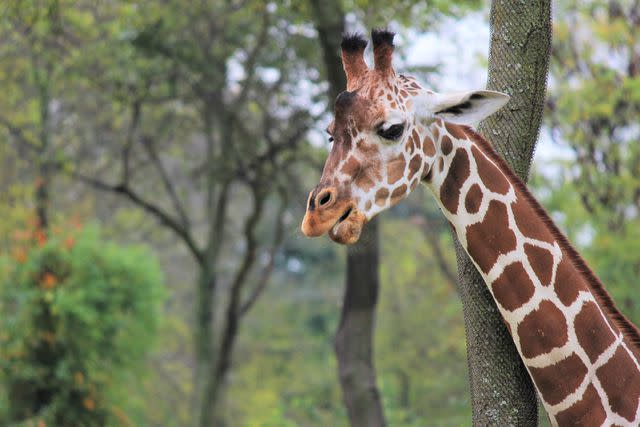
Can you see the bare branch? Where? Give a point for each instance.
(19, 135)
(232, 318)
(166, 181)
(126, 151)
(250, 64)
(268, 268)
(166, 219)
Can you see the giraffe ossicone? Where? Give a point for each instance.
(389, 134)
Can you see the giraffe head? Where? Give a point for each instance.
(383, 145)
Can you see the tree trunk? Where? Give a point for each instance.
(501, 390)
(205, 357)
(354, 338)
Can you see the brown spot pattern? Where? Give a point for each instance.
(491, 176)
(428, 147)
(568, 282)
(557, 381)
(414, 165)
(367, 150)
(541, 260)
(528, 221)
(488, 239)
(381, 196)
(351, 167)
(542, 330)
(593, 332)
(398, 193)
(587, 412)
(364, 181)
(395, 169)
(446, 145)
(409, 146)
(513, 287)
(473, 199)
(455, 130)
(367, 205)
(458, 174)
(440, 164)
(621, 381)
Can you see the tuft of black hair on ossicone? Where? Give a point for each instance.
(382, 36)
(353, 42)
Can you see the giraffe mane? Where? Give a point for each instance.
(604, 300)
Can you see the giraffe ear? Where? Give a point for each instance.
(465, 108)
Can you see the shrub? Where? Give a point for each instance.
(78, 316)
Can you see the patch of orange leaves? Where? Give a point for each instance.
(69, 242)
(40, 237)
(89, 403)
(20, 255)
(48, 281)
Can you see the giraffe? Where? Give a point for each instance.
(389, 134)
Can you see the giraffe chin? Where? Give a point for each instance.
(347, 231)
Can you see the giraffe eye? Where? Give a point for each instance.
(393, 132)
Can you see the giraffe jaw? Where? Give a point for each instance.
(347, 229)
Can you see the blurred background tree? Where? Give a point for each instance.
(80, 315)
(593, 114)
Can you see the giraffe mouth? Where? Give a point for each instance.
(345, 215)
(348, 227)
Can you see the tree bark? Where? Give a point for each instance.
(354, 338)
(501, 390)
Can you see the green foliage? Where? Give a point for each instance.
(79, 314)
(595, 103)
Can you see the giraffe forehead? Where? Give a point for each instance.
(360, 113)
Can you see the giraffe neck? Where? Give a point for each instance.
(581, 353)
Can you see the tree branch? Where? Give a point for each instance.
(148, 144)
(252, 57)
(232, 318)
(166, 219)
(19, 135)
(268, 269)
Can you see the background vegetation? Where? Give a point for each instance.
(189, 133)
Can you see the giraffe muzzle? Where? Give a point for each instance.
(341, 219)
(329, 210)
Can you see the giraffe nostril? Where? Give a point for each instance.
(325, 198)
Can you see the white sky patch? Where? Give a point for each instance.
(458, 46)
